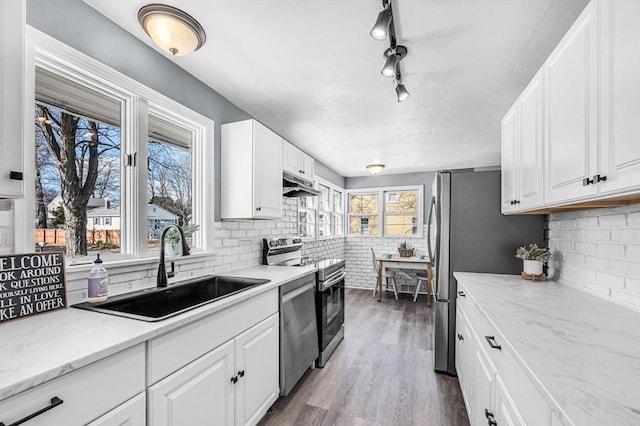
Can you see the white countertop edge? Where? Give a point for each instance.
(14, 384)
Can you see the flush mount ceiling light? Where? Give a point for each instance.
(171, 29)
(395, 53)
(375, 168)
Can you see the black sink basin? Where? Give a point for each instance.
(158, 304)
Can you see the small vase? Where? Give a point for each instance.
(532, 267)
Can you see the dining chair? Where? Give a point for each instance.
(420, 278)
(386, 275)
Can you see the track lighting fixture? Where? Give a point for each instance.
(395, 53)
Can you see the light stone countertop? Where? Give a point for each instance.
(583, 351)
(37, 349)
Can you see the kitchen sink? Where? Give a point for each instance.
(156, 304)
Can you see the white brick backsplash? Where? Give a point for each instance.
(598, 251)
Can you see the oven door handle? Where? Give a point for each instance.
(333, 281)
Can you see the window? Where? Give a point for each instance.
(307, 217)
(401, 213)
(322, 216)
(399, 210)
(324, 212)
(363, 214)
(111, 126)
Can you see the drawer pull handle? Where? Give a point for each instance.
(18, 175)
(55, 401)
(492, 342)
(461, 294)
(460, 337)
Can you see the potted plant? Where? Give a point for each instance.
(533, 258)
(404, 250)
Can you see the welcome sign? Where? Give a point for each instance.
(31, 284)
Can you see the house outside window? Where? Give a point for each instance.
(386, 212)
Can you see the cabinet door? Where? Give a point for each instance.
(200, 393)
(130, 413)
(464, 358)
(291, 158)
(571, 111)
(257, 365)
(484, 375)
(267, 172)
(307, 166)
(506, 413)
(529, 154)
(508, 174)
(620, 95)
(12, 46)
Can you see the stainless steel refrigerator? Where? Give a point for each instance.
(467, 233)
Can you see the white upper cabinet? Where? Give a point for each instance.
(571, 111)
(296, 162)
(522, 129)
(586, 101)
(619, 95)
(251, 175)
(12, 108)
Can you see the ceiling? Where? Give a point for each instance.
(310, 71)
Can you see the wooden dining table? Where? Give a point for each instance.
(396, 262)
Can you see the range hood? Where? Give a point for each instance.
(293, 186)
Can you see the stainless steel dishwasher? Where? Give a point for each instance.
(298, 330)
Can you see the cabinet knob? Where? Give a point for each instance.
(241, 373)
(492, 422)
(258, 208)
(586, 182)
(598, 178)
(234, 379)
(460, 337)
(516, 201)
(488, 413)
(461, 294)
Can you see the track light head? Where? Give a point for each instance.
(381, 27)
(402, 92)
(393, 57)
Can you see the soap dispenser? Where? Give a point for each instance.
(98, 288)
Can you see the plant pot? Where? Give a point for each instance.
(408, 252)
(532, 267)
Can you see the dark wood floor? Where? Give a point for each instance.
(381, 373)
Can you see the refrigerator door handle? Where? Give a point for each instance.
(432, 208)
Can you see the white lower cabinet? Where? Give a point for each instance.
(199, 394)
(233, 384)
(97, 391)
(130, 413)
(496, 389)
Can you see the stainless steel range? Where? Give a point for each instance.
(329, 290)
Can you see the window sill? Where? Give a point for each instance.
(133, 264)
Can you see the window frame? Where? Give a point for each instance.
(381, 192)
(331, 212)
(138, 101)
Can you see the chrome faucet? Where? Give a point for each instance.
(162, 274)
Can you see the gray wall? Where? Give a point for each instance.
(378, 181)
(78, 25)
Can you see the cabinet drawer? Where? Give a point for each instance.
(178, 348)
(131, 413)
(526, 397)
(86, 393)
